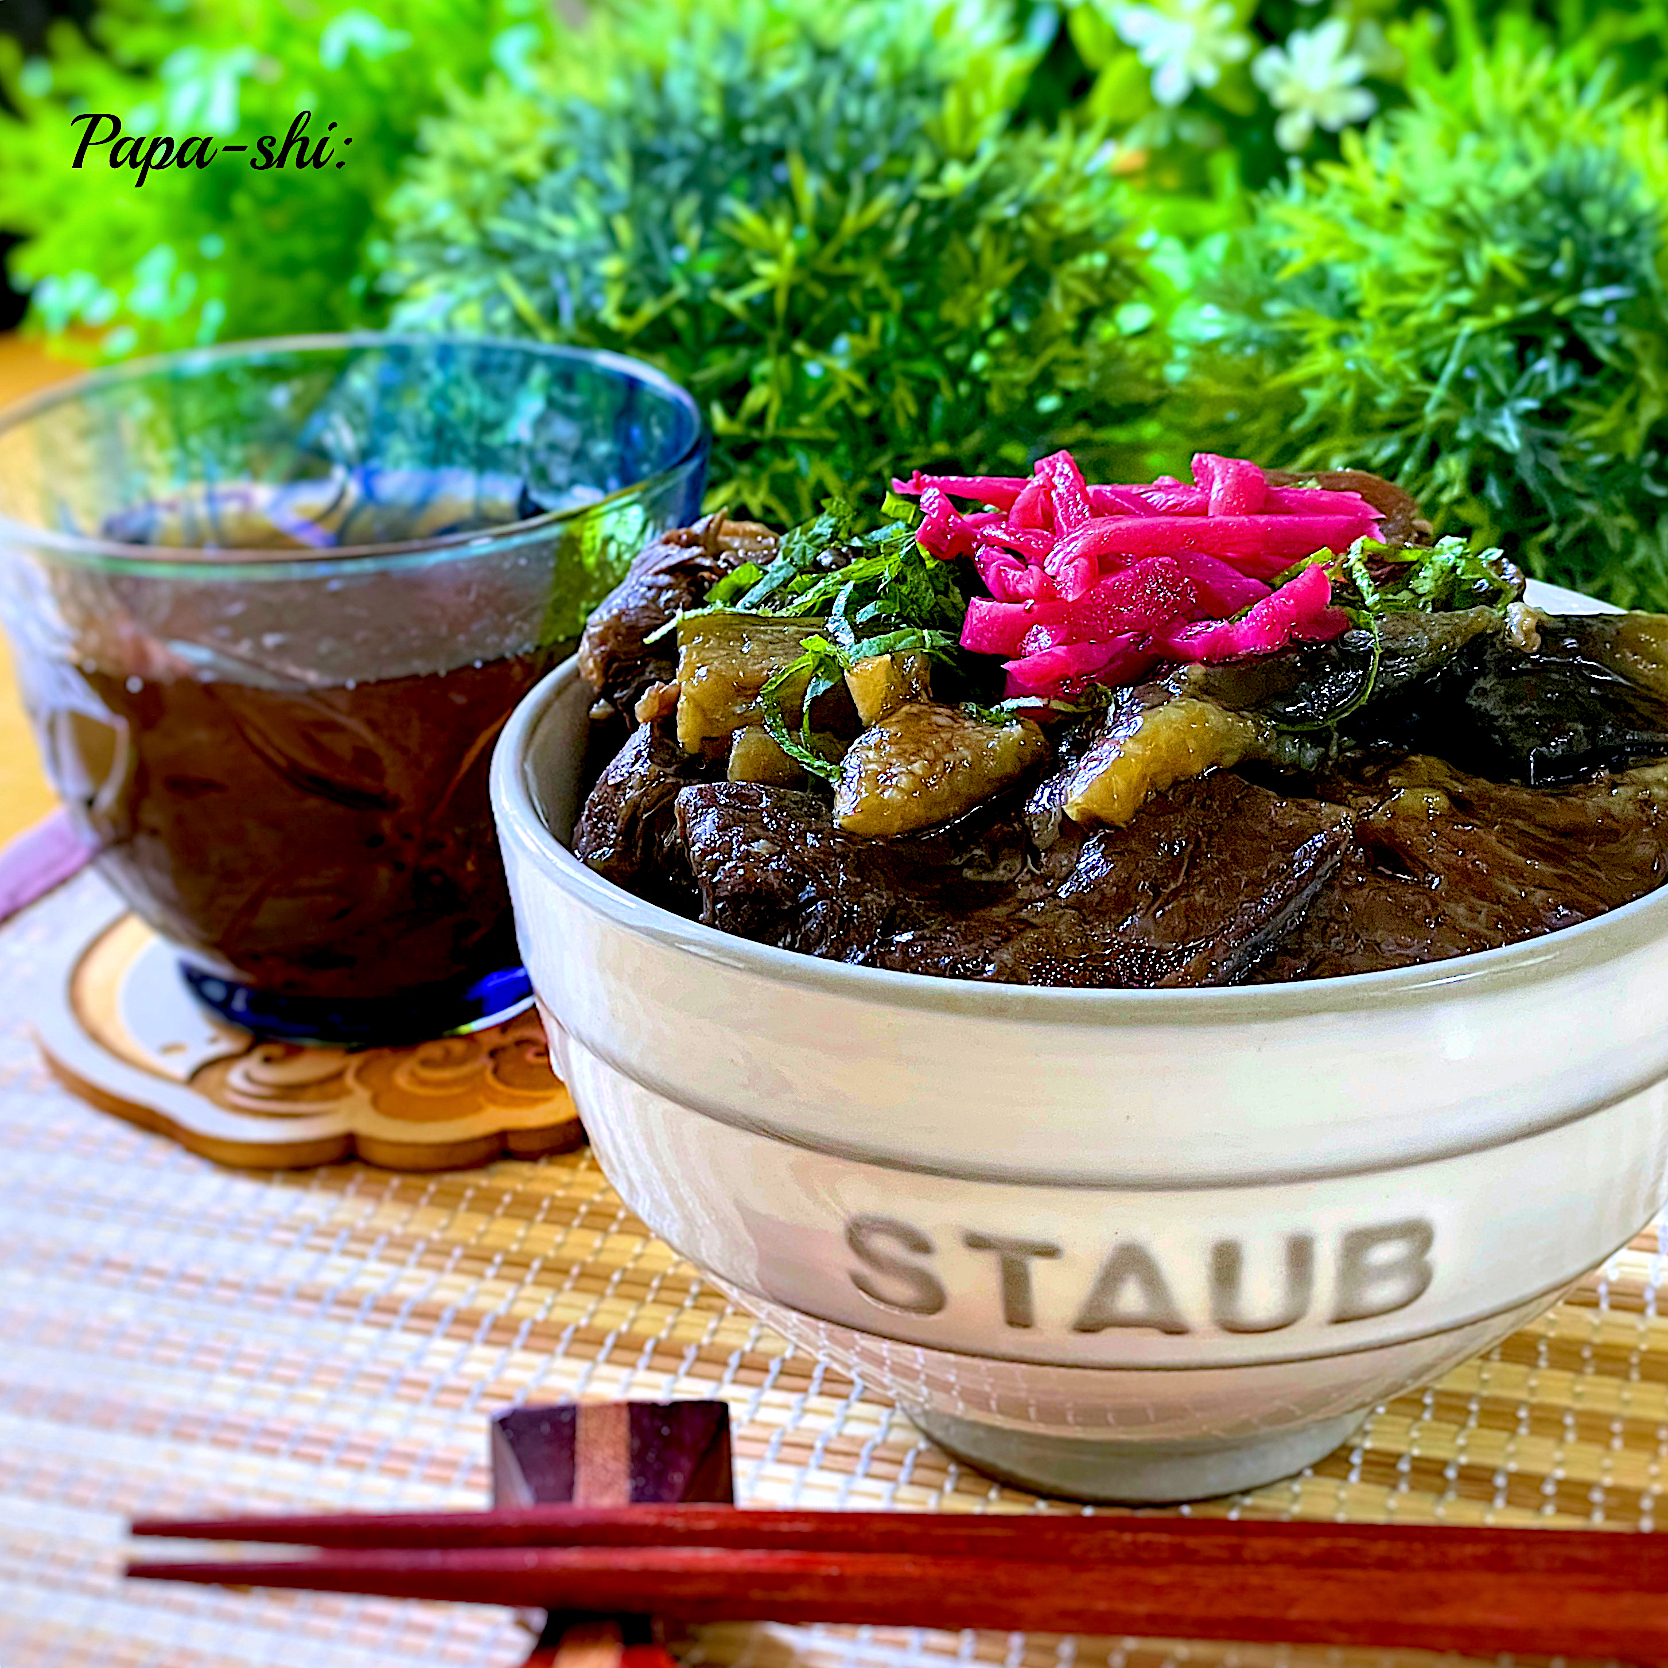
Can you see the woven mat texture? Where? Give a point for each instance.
(175, 1337)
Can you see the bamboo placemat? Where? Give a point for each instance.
(177, 1337)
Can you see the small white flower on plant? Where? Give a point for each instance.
(1185, 43)
(1314, 81)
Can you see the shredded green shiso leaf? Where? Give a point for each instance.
(1374, 578)
(823, 661)
(879, 592)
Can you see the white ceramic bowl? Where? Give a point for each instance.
(1129, 1245)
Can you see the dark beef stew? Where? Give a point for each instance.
(810, 744)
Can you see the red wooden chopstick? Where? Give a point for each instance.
(1473, 1610)
(1637, 1561)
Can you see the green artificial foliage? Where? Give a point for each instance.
(1469, 301)
(1626, 39)
(823, 220)
(225, 251)
(1174, 132)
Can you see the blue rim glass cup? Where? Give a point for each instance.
(271, 603)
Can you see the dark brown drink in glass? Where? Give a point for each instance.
(333, 843)
(304, 585)
(330, 842)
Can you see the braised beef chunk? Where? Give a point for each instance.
(673, 573)
(1445, 863)
(1553, 716)
(1120, 908)
(626, 831)
(770, 865)
(1195, 891)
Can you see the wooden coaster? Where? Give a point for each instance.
(119, 1027)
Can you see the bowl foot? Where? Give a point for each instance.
(1134, 1473)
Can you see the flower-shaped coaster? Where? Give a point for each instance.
(119, 1027)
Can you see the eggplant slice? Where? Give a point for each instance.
(1592, 697)
(1278, 710)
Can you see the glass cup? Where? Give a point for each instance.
(271, 603)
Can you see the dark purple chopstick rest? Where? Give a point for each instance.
(609, 1454)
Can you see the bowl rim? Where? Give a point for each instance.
(1600, 939)
(113, 555)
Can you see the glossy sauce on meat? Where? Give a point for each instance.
(1443, 864)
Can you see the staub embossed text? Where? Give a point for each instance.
(1376, 1270)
